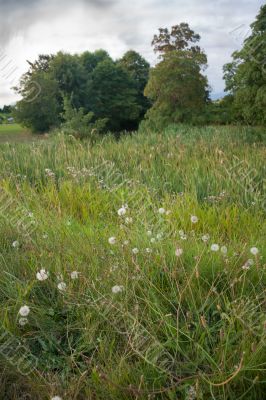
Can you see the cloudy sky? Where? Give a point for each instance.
(32, 27)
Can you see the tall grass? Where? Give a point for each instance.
(187, 327)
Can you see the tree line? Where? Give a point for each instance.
(91, 92)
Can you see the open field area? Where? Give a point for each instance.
(134, 269)
(13, 133)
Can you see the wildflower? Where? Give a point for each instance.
(117, 289)
(49, 173)
(135, 250)
(15, 244)
(159, 236)
(194, 219)
(112, 240)
(178, 252)
(183, 237)
(74, 275)
(23, 321)
(181, 232)
(254, 251)
(61, 286)
(161, 210)
(42, 275)
(205, 238)
(191, 393)
(215, 247)
(248, 264)
(24, 311)
(149, 233)
(122, 211)
(224, 249)
(153, 240)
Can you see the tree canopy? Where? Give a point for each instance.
(177, 86)
(245, 76)
(111, 90)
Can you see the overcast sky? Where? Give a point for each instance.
(32, 27)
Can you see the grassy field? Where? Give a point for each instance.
(154, 255)
(13, 133)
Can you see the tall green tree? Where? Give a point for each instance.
(177, 86)
(245, 76)
(138, 69)
(180, 37)
(112, 95)
(40, 108)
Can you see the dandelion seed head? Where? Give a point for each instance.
(122, 211)
(24, 311)
(215, 247)
(254, 251)
(205, 238)
(42, 275)
(74, 275)
(161, 211)
(149, 233)
(61, 286)
(117, 289)
(23, 321)
(112, 240)
(15, 244)
(194, 219)
(135, 250)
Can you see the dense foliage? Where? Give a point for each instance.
(177, 87)
(93, 81)
(245, 76)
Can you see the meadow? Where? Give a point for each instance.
(14, 133)
(134, 269)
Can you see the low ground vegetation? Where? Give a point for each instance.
(134, 269)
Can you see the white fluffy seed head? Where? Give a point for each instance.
(122, 211)
(254, 251)
(74, 275)
(61, 286)
(23, 321)
(215, 247)
(117, 289)
(112, 240)
(24, 311)
(42, 275)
